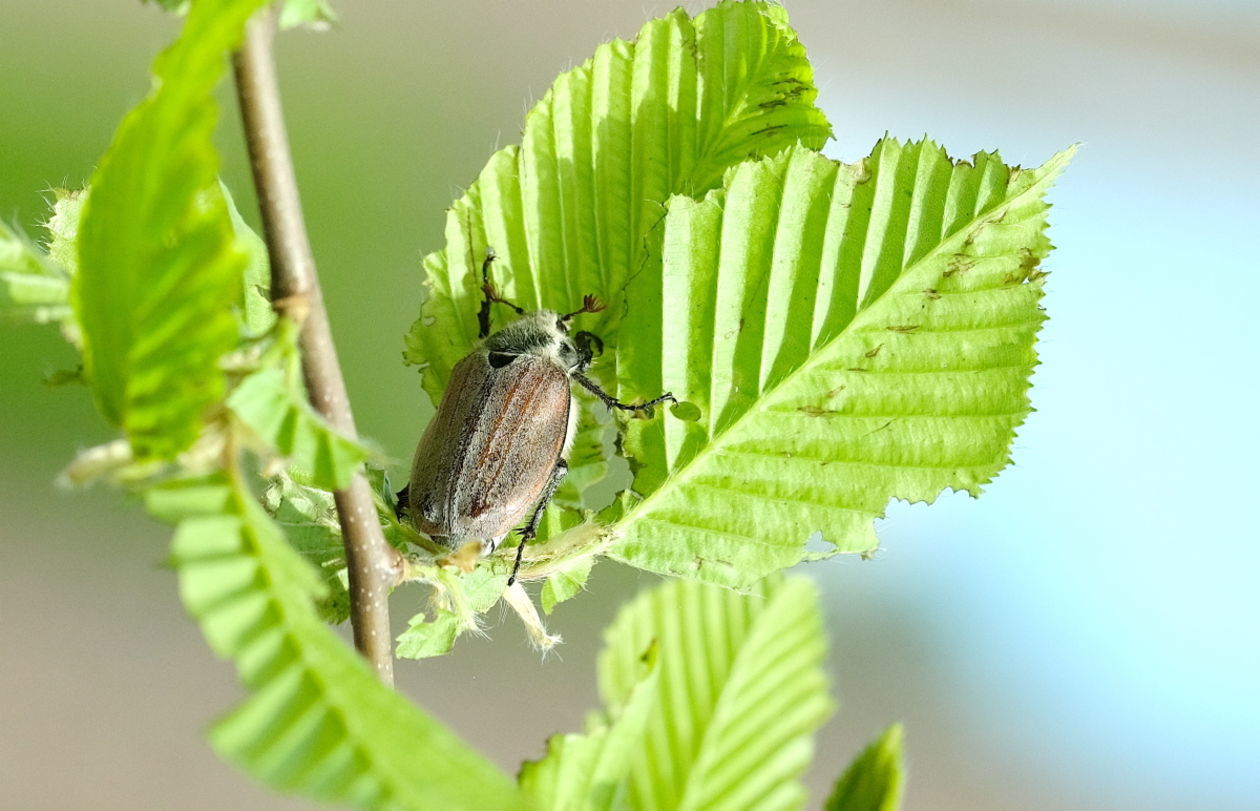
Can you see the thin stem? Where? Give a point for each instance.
(373, 565)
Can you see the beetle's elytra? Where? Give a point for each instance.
(498, 444)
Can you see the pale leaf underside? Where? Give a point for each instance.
(741, 692)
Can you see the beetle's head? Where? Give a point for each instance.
(586, 345)
(545, 333)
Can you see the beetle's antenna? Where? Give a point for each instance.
(483, 315)
(590, 304)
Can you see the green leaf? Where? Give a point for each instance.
(577, 207)
(565, 582)
(825, 326)
(274, 406)
(849, 334)
(308, 518)
(159, 267)
(256, 311)
(573, 209)
(588, 772)
(426, 637)
(63, 228)
(318, 721)
(741, 693)
(317, 14)
(33, 289)
(456, 603)
(874, 780)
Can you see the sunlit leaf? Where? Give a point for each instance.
(741, 693)
(840, 335)
(849, 334)
(576, 207)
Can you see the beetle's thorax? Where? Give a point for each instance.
(540, 333)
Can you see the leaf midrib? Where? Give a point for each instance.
(743, 652)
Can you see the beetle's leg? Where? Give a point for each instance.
(404, 500)
(491, 296)
(483, 315)
(613, 402)
(531, 529)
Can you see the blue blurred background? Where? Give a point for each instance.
(1086, 635)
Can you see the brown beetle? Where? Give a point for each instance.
(497, 445)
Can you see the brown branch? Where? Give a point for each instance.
(374, 566)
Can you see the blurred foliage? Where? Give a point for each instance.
(711, 701)
(317, 14)
(33, 288)
(159, 269)
(874, 780)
